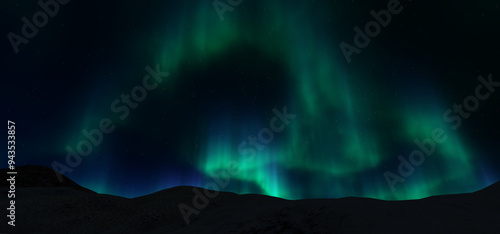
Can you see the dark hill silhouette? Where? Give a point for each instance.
(44, 205)
(493, 189)
(40, 176)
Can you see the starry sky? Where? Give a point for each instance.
(337, 127)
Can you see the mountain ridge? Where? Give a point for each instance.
(45, 205)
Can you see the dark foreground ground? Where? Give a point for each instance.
(43, 205)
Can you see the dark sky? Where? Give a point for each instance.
(228, 79)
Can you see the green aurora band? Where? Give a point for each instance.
(342, 140)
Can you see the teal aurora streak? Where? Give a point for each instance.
(342, 140)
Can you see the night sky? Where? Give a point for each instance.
(230, 81)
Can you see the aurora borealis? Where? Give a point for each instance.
(352, 120)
